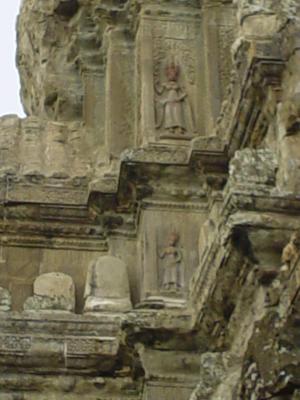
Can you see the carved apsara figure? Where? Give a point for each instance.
(173, 268)
(173, 111)
(292, 250)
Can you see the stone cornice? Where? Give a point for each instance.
(247, 209)
(53, 335)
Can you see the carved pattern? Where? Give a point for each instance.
(187, 57)
(56, 243)
(15, 343)
(168, 205)
(90, 346)
(170, 44)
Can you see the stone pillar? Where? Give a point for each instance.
(120, 96)
(94, 107)
(146, 87)
(56, 152)
(32, 151)
(219, 32)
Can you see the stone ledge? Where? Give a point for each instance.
(47, 341)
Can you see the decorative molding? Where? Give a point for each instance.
(91, 345)
(173, 205)
(158, 155)
(15, 343)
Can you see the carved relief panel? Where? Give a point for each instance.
(169, 68)
(171, 269)
(168, 256)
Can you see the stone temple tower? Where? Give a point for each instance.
(150, 202)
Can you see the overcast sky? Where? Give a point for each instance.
(9, 79)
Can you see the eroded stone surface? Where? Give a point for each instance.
(165, 134)
(107, 287)
(53, 291)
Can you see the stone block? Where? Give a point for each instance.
(107, 286)
(250, 167)
(54, 291)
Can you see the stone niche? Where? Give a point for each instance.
(21, 266)
(168, 256)
(168, 60)
(107, 286)
(183, 65)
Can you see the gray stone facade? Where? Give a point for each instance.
(149, 204)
